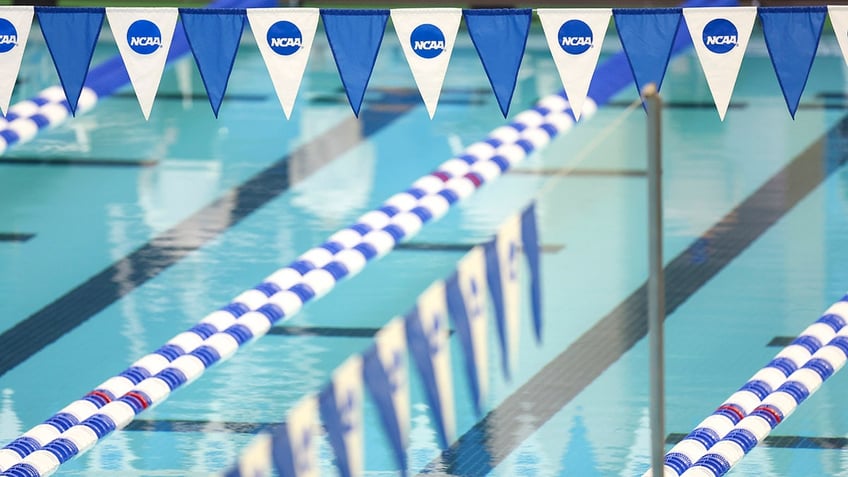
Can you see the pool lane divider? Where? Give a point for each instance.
(149, 381)
(793, 372)
(791, 386)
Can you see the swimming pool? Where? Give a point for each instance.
(161, 222)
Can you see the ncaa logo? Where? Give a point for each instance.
(8, 35)
(720, 36)
(284, 38)
(427, 41)
(144, 37)
(575, 37)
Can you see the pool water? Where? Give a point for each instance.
(118, 234)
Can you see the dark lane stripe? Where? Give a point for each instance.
(326, 331)
(323, 331)
(67, 161)
(459, 247)
(781, 341)
(682, 104)
(78, 305)
(786, 442)
(582, 172)
(556, 384)
(177, 96)
(176, 425)
(13, 237)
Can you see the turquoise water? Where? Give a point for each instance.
(85, 218)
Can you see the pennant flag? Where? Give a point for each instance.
(500, 36)
(647, 36)
(721, 37)
(575, 37)
(792, 37)
(466, 297)
(839, 21)
(213, 35)
(15, 23)
(385, 375)
(71, 34)
(427, 36)
(144, 39)
(530, 246)
(341, 411)
(255, 460)
(295, 442)
(502, 268)
(284, 37)
(355, 37)
(427, 333)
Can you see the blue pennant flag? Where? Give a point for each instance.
(214, 35)
(502, 276)
(530, 245)
(647, 36)
(500, 36)
(467, 304)
(792, 37)
(340, 405)
(428, 337)
(294, 444)
(384, 372)
(71, 34)
(355, 37)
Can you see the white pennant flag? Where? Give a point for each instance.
(509, 255)
(143, 36)
(15, 23)
(427, 36)
(839, 20)
(255, 460)
(575, 38)
(284, 37)
(721, 37)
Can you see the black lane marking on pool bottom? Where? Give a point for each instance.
(67, 312)
(786, 442)
(66, 161)
(323, 331)
(582, 172)
(503, 429)
(15, 237)
(459, 247)
(178, 425)
(177, 96)
(781, 341)
(326, 331)
(682, 104)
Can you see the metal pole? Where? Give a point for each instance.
(656, 282)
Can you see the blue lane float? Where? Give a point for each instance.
(149, 381)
